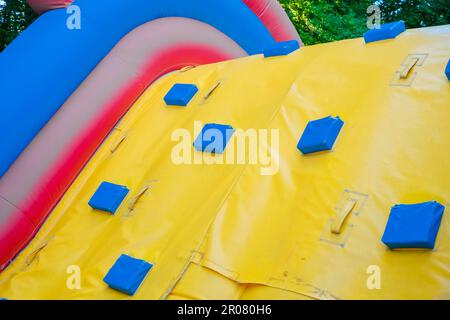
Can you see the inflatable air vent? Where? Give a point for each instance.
(281, 48)
(320, 135)
(108, 197)
(180, 94)
(127, 274)
(386, 31)
(413, 225)
(214, 138)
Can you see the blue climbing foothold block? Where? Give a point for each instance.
(180, 94)
(281, 48)
(413, 226)
(127, 274)
(214, 138)
(386, 31)
(320, 135)
(447, 70)
(108, 197)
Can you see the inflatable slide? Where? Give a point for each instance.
(62, 98)
(106, 169)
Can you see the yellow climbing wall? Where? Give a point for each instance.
(227, 231)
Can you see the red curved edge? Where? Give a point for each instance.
(275, 19)
(41, 6)
(16, 233)
(13, 232)
(19, 231)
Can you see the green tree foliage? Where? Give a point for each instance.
(320, 21)
(417, 13)
(15, 16)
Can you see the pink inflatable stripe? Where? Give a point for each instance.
(41, 6)
(274, 18)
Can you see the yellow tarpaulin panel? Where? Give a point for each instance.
(264, 230)
(200, 283)
(276, 230)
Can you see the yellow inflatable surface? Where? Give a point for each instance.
(258, 225)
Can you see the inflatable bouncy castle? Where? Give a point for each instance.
(76, 84)
(346, 197)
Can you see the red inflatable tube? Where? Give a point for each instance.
(273, 16)
(16, 231)
(68, 166)
(41, 6)
(41, 175)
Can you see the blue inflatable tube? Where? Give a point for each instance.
(47, 62)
